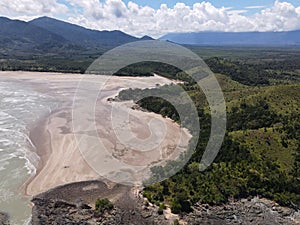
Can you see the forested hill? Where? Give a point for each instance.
(260, 155)
(16, 35)
(47, 44)
(83, 36)
(47, 35)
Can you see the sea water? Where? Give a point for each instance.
(21, 106)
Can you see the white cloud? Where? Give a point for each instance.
(138, 20)
(231, 12)
(141, 20)
(255, 7)
(26, 9)
(281, 16)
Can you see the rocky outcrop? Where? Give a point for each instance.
(4, 219)
(74, 204)
(48, 211)
(245, 211)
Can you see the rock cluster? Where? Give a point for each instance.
(68, 205)
(245, 211)
(4, 219)
(73, 204)
(48, 211)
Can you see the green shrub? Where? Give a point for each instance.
(160, 211)
(175, 207)
(161, 208)
(103, 204)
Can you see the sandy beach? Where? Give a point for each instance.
(62, 159)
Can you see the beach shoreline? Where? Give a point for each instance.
(39, 137)
(60, 159)
(49, 145)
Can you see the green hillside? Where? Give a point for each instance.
(269, 138)
(259, 156)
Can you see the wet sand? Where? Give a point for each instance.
(60, 161)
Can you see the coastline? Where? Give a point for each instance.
(40, 138)
(49, 133)
(61, 162)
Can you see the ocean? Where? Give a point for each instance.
(21, 106)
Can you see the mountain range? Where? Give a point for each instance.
(46, 35)
(287, 38)
(82, 36)
(19, 35)
(50, 35)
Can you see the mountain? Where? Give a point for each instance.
(289, 38)
(146, 38)
(83, 36)
(19, 35)
(47, 35)
(47, 44)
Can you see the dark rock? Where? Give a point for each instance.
(4, 219)
(71, 204)
(63, 204)
(81, 205)
(246, 211)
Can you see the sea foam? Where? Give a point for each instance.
(20, 107)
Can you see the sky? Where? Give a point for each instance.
(157, 18)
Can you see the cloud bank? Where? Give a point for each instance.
(144, 20)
